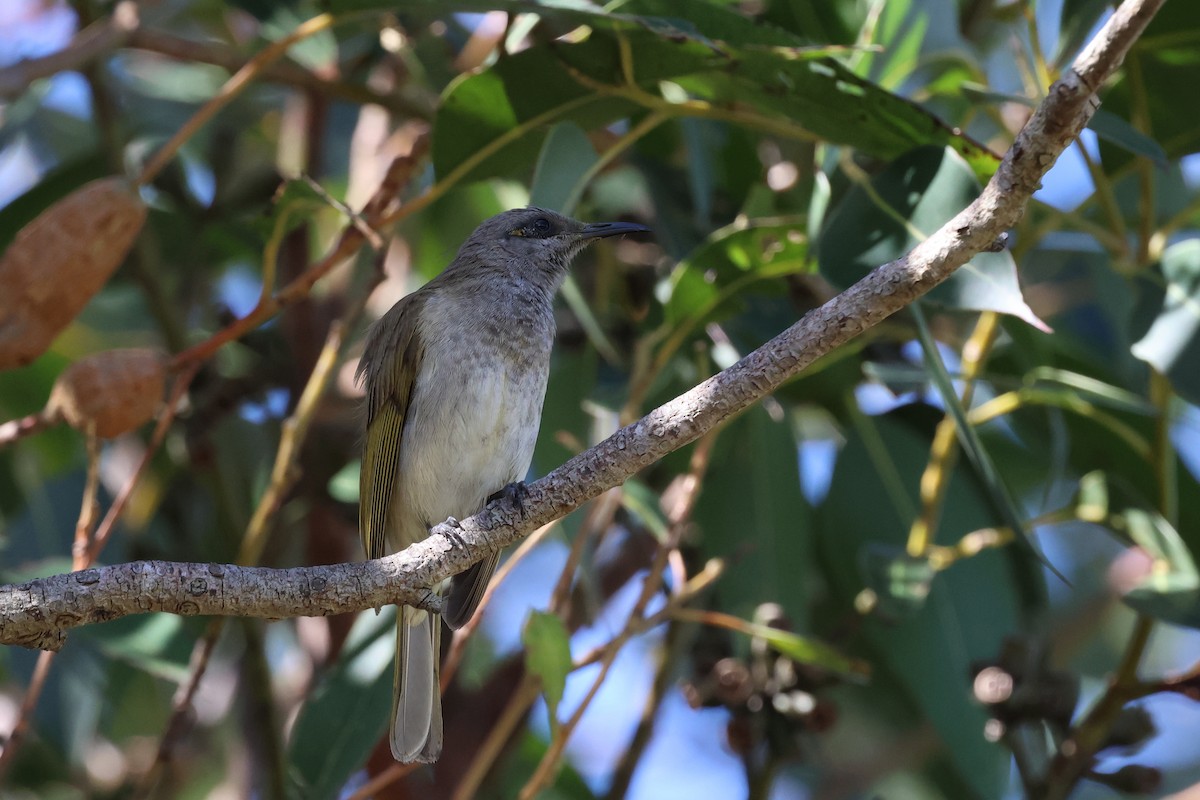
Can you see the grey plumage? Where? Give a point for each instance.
(455, 375)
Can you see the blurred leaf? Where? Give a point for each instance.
(712, 281)
(53, 186)
(1171, 590)
(1002, 500)
(343, 486)
(901, 583)
(157, 644)
(491, 113)
(908, 201)
(1160, 68)
(566, 157)
(801, 649)
(642, 502)
(515, 769)
(1115, 130)
(347, 713)
(1097, 390)
(490, 118)
(548, 656)
(1171, 343)
(970, 608)
(1077, 19)
(817, 94)
(753, 515)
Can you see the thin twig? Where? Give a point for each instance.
(16, 429)
(109, 523)
(236, 84)
(943, 451)
(32, 694)
(89, 507)
(347, 244)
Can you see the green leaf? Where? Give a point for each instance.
(347, 713)
(806, 650)
(970, 608)
(641, 501)
(1116, 130)
(884, 219)
(1166, 58)
(1171, 590)
(1171, 343)
(566, 157)
(708, 284)
(753, 515)
(343, 486)
(490, 124)
(548, 655)
(968, 438)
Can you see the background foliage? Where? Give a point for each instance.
(917, 645)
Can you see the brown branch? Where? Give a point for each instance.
(16, 429)
(95, 40)
(39, 613)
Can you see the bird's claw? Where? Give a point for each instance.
(430, 601)
(450, 531)
(516, 492)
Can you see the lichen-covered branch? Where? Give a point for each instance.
(38, 614)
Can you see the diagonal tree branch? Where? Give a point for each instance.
(38, 613)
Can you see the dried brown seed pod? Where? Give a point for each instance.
(117, 390)
(59, 260)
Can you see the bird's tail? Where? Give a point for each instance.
(416, 730)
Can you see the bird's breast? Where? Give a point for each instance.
(475, 412)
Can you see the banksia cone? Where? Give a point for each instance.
(59, 260)
(117, 390)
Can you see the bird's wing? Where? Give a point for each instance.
(388, 368)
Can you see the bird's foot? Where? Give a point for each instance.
(450, 530)
(515, 492)
(430, 601)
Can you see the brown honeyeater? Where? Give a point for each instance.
(455, 375)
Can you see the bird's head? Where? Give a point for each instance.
(538, 239)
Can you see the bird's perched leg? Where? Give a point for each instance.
(451, 528)
(515, 493)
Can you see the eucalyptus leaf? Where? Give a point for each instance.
(347, 713)
(1171, 343)
(565, 159)
(882, 220)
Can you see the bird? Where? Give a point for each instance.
(455, 376)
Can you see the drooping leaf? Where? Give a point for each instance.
(1116, 130)
(1160, 69)
(912, 198)
(1171, 343)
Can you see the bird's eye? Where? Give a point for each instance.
(541, 226)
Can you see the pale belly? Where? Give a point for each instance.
(465, 442)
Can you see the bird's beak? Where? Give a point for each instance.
(600, 230)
